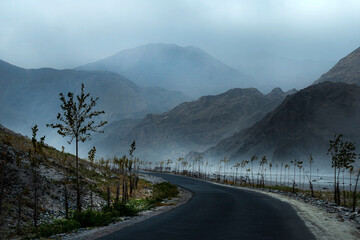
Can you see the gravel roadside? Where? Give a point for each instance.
(98, 232)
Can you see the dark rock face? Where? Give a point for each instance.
(347, 70)
(302, 124)
(200, 124)
(186, 69)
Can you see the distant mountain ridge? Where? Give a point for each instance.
(347, 70)
(197, 125)
(186, 69)
(302, 124)
(31, 96)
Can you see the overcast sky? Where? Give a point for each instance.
(65, 34)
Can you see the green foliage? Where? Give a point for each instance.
(90, 218)
(164, 190)
(59, 226)
(77, 116)
(141, 204)
(120, 209)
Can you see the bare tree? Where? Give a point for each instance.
(311, 160)
(35, 162)
(91, 156)
(253, 158)
(354, 193)
(76, 122)
(342, 156)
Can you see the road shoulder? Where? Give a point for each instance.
(99, 232)
(324, 225)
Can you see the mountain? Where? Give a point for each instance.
(302, 124)
(186, 69)
(31, 96)
(347, 70)
(197, 125)
(277, 71)
(114, 132)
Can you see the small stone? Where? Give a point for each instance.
(353, 216)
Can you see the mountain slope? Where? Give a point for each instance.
(32, 96)
(186, 69)
(302, 124)
(347, 70)
(199, 124)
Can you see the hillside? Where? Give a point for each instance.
(18, 181)
(31, 96)
(22, 170)
(302, 124)
(347, 70)
(186, 69)
(197, 125)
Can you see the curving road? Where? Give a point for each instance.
(218, 212)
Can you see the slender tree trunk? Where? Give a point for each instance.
(91, 199)
(117, 191)
(131, 184)
(66, 202)
(311, 188)
(19, 211)
(236, 175)
(335, 186)
(2, 185)
(338, 187)
(344, 193)
(35, 216)
(108, 195)
(281, 173)
(78, 196)
(354, 193)
(124, 190)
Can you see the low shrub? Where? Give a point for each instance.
(90, 218)
(142, 204)
(119, 209)
(59, 226)
(164, 190)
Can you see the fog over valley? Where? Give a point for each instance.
(104, 103)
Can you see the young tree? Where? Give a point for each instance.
(311, 160)
(270, 166)
(180, 159)
(198, 158)
(35, 162)
(3, 163)
(262, 163)
(91, 156)
(236, 166)
(355, 187)
(65, 181)
(253, 158)
(131, 166)
(342, 156)
(76, 121)
(294, 183)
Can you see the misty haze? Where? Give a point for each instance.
(179, 119)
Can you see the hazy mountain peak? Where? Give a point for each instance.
(276, 91)
(347, 70)
(187, 69)
(197, 125)
(302, 124)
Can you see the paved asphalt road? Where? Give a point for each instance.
(217, 212)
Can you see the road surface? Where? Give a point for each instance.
(218, 212)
